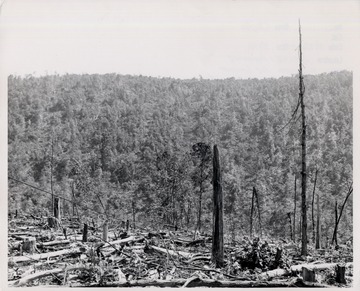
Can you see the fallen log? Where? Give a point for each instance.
(25, 280)
(171, 252)
(125, 240)
(274, 273)
(197, 282)
(55, 242)
(37, 257)
(297, 269)
(198, 258)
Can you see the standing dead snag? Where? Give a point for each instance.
(218, 239)
(255, 197)
(252, 213)
(303, 155)
(318, 234)
(294, 237)
(312, 207)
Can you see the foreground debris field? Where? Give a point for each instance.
(42, 256)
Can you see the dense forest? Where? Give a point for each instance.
(139, 148)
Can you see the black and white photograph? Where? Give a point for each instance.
(171, 144)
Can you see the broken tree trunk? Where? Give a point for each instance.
(218, 239)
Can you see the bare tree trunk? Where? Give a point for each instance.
(303, 156)
(198, 227)
(294, 237)
(51, 175)
(252, 212)
(337, 218)
(290, 224)
(334, 239)
(133, 211)
(218, 239)
(312, 207)
(258, 208)
(85, 233)
(57, 208)
(318, 234)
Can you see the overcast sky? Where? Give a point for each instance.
(183, 39)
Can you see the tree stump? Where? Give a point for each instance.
(105, 231)
(340, 274)
(29, 245)
(85, 233)
(53, 222)
(308, 275)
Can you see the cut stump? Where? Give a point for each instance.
(29, 245)
(308, 274)
(340, 274)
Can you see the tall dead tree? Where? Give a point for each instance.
(51, 177)
(255, 198)
(294, 237)
(303, 154)
(334, 238)
(218, 236)
(312, 207)
(252, 212)
(318, 234)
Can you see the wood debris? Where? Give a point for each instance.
(160, 259)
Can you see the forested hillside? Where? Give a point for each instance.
(140, 148)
